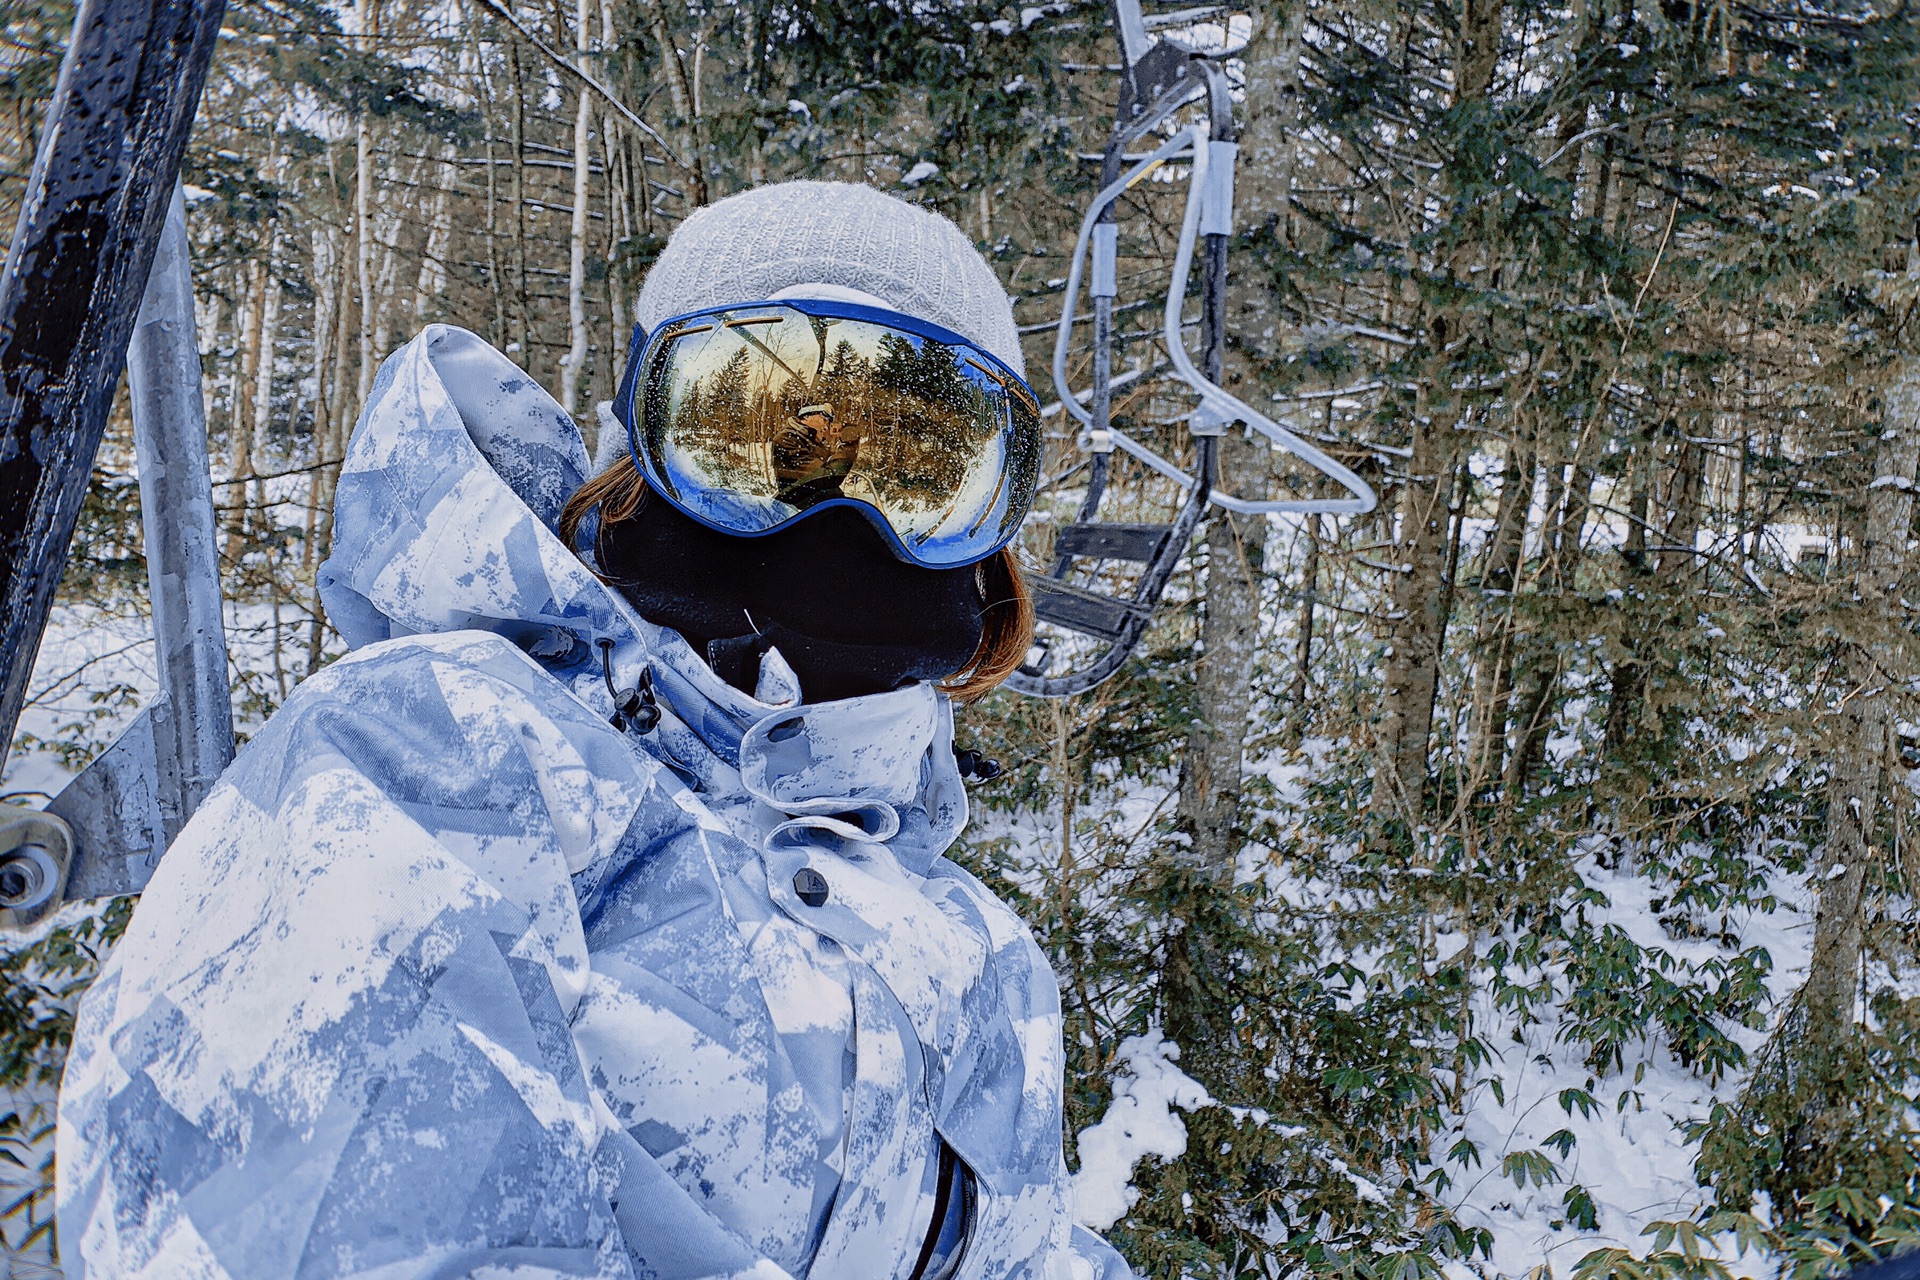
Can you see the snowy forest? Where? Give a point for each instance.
(1511, 881)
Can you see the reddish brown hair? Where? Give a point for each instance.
(619, 492)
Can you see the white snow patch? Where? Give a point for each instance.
(1139, 1122)
(1630, 1154)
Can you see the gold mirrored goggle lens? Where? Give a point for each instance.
(754, 416)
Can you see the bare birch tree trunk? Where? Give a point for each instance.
(522, 315)
(240, 431)
(325, 356)
(262, 398)
(1866, 717)
(386, 307)
(339, 425)
(574, 366)
(362, 219)
(617, 150)
(683, 94)
(363, 261)
(432, 278)
(755, 40)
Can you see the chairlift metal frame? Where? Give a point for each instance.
(1158, 78)
(96, 280)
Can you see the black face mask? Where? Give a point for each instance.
(850, 616)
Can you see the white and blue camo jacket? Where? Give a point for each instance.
(451, 977)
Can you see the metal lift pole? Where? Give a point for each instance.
(127, 806)
(75, 272)
(176, 505)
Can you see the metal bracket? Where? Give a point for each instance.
(1106, 252)
(1207, 420)
(1216, 215)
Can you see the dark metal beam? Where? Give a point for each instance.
(75, 272)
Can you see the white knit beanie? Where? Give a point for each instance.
(774, 240)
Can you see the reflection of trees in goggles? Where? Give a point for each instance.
(793, 410)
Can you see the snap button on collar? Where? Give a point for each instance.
(810, 885)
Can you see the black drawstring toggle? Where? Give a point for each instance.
(976, 767)
(633, 709)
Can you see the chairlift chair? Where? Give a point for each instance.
(1158, 78)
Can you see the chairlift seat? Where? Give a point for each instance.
(1097, 541)
(1088, 612)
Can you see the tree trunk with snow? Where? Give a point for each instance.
(1866, 717)
(1420, 593)
(1212, 765)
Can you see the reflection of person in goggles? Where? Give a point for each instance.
(813, 451)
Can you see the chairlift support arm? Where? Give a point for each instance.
(97, 276)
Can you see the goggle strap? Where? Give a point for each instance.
(623, 397)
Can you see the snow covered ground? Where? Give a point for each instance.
(1630, 1154)
(1626, 1152)
(94, 671)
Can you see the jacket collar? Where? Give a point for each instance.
(445, 519)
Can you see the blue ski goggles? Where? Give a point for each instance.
(750, 417)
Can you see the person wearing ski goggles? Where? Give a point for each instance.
(825, 446)
(592, 916)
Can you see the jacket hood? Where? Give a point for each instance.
(445, 519)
